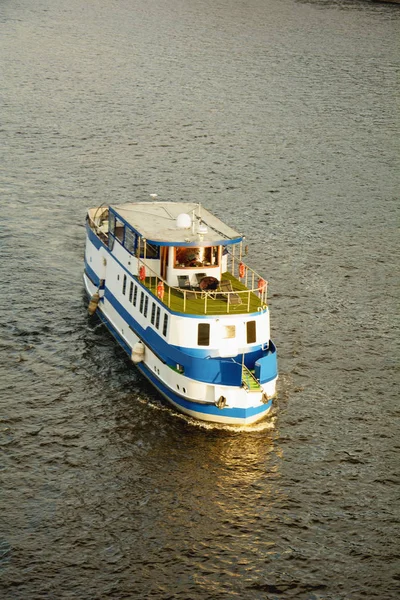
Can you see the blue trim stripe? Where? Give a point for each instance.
(224, 242)
(99, 244)
(208, 409)
(199, 364)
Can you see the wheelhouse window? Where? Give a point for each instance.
(251, 332)
(186, 258)
(203, 334)
(129, 241)
(111, 230)
(148, 250)
(116, 228)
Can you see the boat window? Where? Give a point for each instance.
(251, 332)
(111, 223)
(229, 331)
(153, 313)
(196, 257)
(151, 250)
(135, 295)
(165, 325)
(129, 241)
(124, 285)
(158, 317)
(146, 305)
(119, 231)
(141, 301)
(203, 334)
(130, 291)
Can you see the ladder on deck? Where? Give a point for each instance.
(249, 381)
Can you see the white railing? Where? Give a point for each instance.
(257, 292)
(254, 294)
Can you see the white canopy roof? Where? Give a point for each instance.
(157, 221)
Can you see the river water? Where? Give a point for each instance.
(281, 117)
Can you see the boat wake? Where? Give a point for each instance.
(266, 425)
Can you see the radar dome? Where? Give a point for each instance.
(183, 221)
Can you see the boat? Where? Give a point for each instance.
(169, 281)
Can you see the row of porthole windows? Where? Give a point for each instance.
(155, 315)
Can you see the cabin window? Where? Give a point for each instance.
(124, 285)
(196, 257)
(251, 332)
(119, 231)
(152, 251)
(158, 317)
(130, 291)
(165, 325)
(135, 295)
(153, 313)
(203, 334)
(141, 301)
(111, 223)
(129, 241)
(229, 331)
(146, 306)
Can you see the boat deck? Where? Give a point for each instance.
(240, 301)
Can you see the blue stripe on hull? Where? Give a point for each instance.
(196, 363)
(240, 414)
(232, 414)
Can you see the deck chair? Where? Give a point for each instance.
(227, 291)
(199, 277)
(184, 282)
(184, 285)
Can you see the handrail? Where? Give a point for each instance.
(236, 265)
(203, 295)
(248, 372)
(245, 295)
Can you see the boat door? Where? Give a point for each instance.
(164, 261)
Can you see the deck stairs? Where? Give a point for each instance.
(249, 381)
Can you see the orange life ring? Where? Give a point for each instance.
(241, 270)
(160, 290)
(261, 285)
(142, 273)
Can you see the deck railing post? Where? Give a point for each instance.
(248, 301)
(184, 300)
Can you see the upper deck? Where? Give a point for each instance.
(190, 260)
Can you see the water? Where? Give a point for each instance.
(281, 118)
